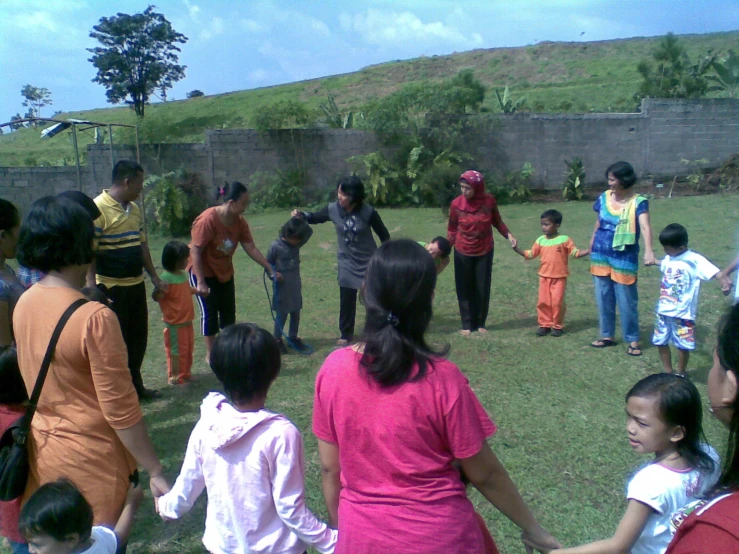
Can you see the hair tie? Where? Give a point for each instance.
(392, 319)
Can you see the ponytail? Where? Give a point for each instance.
(398, 293)
(231, 191)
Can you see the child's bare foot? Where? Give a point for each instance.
(465, 332)
(482, 330)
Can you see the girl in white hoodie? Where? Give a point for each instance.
(249, 459)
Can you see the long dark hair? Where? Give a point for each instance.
(398, 293)
(679, 405)
(728, 354)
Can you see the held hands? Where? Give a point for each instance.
(725, 281)
(297, 213)
(512, 240)
(540, 541)
(158, 486)
(649, 258)
(202, 289)
(159, 284)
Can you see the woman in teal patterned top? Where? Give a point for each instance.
(623, 216)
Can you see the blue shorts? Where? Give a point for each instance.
(681, 332)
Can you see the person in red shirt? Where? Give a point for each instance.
(554, 250)
(711, 525)
(12, 396)
(472, 216)
(394, 419)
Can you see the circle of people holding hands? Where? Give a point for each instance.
(401, 435)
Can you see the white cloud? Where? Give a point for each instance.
(214, 28)
(319, 27)
(263, 16)
(257, 75)
(388, 28)
(253, 26)
(193, 10)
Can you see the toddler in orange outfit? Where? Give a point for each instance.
(177, 312)
(554, 250)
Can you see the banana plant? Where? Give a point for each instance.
(726, 79)
(506, 104)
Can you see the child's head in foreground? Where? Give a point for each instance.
(665, 417)
(294, 232)
(175, 256)
(674, 239)
(56, 519)
(550, 222)
(246, 360)
(13, 390)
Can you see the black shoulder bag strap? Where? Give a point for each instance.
(25, 425)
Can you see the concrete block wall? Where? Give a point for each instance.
(654, 141)
(690, 129)
(24, 185)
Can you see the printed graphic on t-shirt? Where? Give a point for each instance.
(675, 283)
(226, 246)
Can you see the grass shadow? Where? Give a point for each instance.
(523, 323)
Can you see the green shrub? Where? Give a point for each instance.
(572, 188)
(173, 201)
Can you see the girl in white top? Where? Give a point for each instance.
(249, 459)
(664, 418)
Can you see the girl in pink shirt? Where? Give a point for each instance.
(249, 459)
(392, 416)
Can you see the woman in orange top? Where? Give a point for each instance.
(88, 426)
(215, 235)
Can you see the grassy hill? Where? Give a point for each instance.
(554, 77)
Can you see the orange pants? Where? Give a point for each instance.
(179, 342)
(551, 307)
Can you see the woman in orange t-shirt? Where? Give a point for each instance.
(215, 235)
(88, 426)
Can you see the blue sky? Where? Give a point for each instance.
(236, 45)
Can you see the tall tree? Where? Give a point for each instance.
(35, 98)
(138, 56)
(675, 76)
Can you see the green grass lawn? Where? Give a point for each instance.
(558, 402)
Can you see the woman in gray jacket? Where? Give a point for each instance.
(354, 222)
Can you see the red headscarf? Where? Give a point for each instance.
(477, 182)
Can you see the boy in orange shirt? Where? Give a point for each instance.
(554, 250)
(177, 312)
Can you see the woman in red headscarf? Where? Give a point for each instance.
(472, 216)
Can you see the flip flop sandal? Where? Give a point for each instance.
(603, 343)
(634, 351)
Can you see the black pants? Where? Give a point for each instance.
(347, 312)
(218, 309)
(129, 304)
(472, 277)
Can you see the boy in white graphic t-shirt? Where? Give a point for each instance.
(682, 273)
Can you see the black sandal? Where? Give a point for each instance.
(634, 351)
(602, 343)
